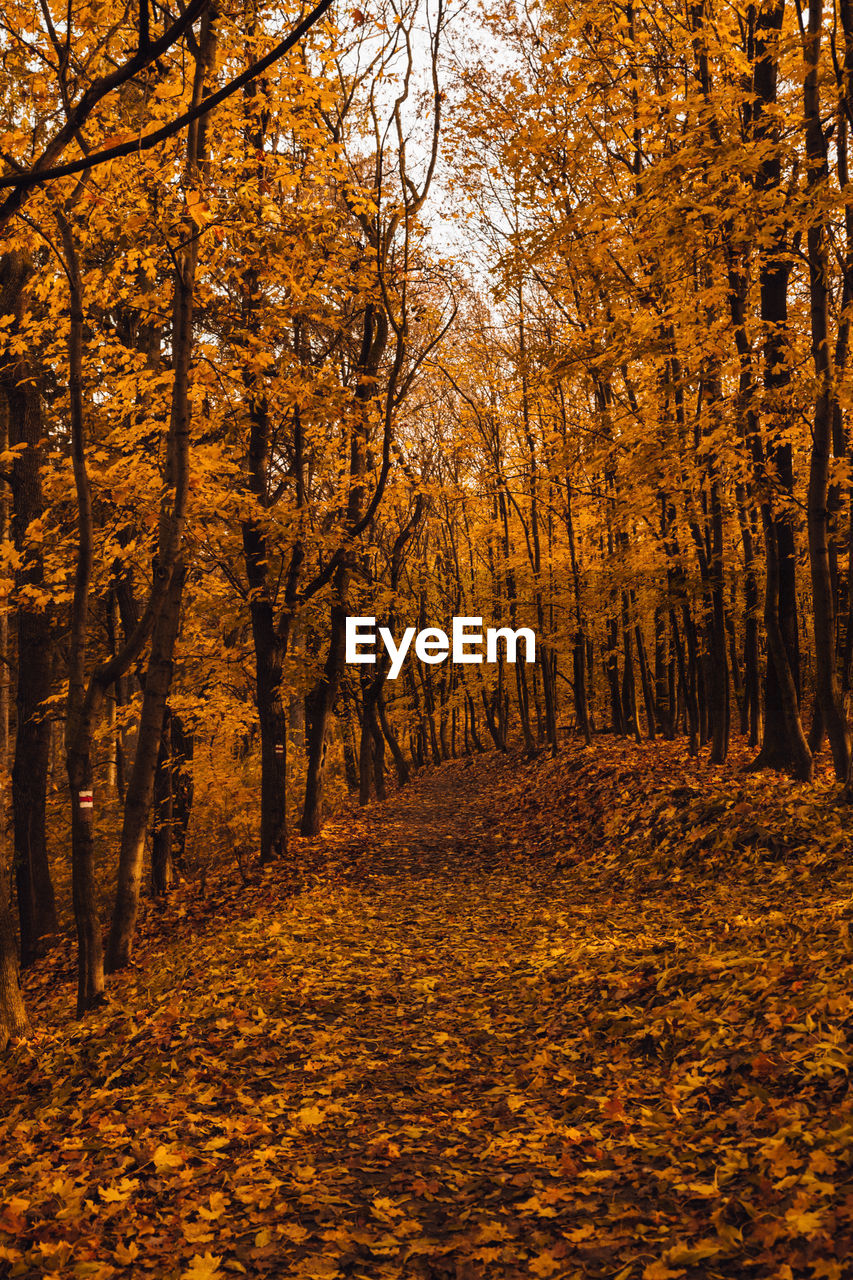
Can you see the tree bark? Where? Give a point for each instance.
(170, 564)
(827, 685)
(140, 787)
(784, 746)
(319, 704)
(403, 771)
(19, 379)
(13, 1015)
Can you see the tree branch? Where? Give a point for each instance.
(42, 172)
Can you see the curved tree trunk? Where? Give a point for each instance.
(403, 771)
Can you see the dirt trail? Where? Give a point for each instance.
(442, 1059)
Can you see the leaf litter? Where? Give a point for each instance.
(576, 1017)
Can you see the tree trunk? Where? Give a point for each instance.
(784, 746)
(365, 747)
(403, 771)
(170, 564)
(646, 683)
(490, 706)
(81, 709)
(378, 758)
(13, 1015)
(36, 903)
(161, 837)
(751, 660)
(183, 787)
(664, 708)
(629, 684)
(823, 595)
(688, 693)
(549, 694)
(721, 714)
(611, 667)
(348, 742)
(524, 708)
(90, 951)
(5, 661)
(140, 787)
(319, 706)
(272, 719)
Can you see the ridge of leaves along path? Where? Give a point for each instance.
(515, 1022)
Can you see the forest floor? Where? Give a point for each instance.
(588, 1016)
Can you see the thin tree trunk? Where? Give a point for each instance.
(164, 634)
(13, 1015)
(403, 771)
(629, 684)
(81, 710)
(611, 667)
(784, 746)
(319, 705)
(162, 869)
(691, 709)
(719, 660)
(663, 696)
(823, 596)
(646, 683)
(140, 787)
(183, 787)
(5, 667)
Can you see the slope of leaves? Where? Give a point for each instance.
(580, 1017)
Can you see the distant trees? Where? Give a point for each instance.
(665, 199)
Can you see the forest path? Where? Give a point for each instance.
(444, 1058)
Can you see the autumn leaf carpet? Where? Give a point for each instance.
(511, 1023)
